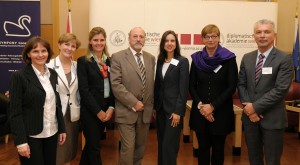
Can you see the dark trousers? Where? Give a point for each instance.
(261, 142)
(216, 143)
(92, 129)
(168, 138)
(42, 151)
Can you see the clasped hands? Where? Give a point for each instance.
(105, 116)
(251, 113)
(206, 110)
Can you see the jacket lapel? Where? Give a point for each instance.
(252, 66)
(133, 63)
(60, 72)
(53, 79)
(95, 66)
(32, 77)
(270, 58)
(159, 71)
(73, 77)
(171, 66)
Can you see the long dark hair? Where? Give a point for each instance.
(162, 52)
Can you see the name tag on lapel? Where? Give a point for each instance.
(174, 62)
(218, 68)
(266, 70)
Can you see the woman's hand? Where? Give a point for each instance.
(109, 113)
(206, 110)
(175, 119)
(24, 151)
(101, 115)
(62, 138)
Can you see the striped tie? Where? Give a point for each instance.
(142, 69)
(259, 66)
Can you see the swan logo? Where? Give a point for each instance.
(17, 29)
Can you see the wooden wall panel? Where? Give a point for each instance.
(47, 33)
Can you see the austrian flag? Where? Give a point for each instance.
(69, 22)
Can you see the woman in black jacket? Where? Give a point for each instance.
(35, 109)
(170, 96)
(213, 80)
(97, 100)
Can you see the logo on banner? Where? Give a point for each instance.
(117, 38)
(19, 29)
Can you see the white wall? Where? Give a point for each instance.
(235, 20)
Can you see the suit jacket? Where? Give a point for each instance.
(91, 86)
(216, 89)
(27, 98)
(267, 95)
(171, 91)
(127, 86)
(69, 95)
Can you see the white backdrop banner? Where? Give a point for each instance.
(186, 17)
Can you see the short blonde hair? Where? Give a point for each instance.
(210, 28)
(66, 37)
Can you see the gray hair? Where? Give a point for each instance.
(137, 28)
(263, 22)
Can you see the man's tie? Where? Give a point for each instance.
(259, 66)
(142, 69)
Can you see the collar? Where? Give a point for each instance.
(38, 73)
(266, 53)
(134, 52)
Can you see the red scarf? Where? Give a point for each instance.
(103, 69)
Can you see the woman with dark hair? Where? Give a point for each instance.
(35, 113)
(213, 80)
(97, 100)
(170, 96)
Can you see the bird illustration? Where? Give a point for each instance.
(17, 30)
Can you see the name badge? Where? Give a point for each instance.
(218, 68)
(174, 62)
(267, 70)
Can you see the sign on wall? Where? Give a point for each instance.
(186, 17)
(19, 21)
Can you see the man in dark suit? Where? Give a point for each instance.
(132, 79)
(264, 79)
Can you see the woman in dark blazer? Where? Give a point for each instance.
(35, 113)
(170, 96)
(213, 80)
(97, 100)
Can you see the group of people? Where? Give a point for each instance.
(48, 99)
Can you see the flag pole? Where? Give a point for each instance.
(69, 22)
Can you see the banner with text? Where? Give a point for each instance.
(186, 17)
(19, 21)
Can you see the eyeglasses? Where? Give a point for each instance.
(210, 37)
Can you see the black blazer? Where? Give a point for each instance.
(91, 86)
(27, 98)
(171, 92)
(217, 89)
